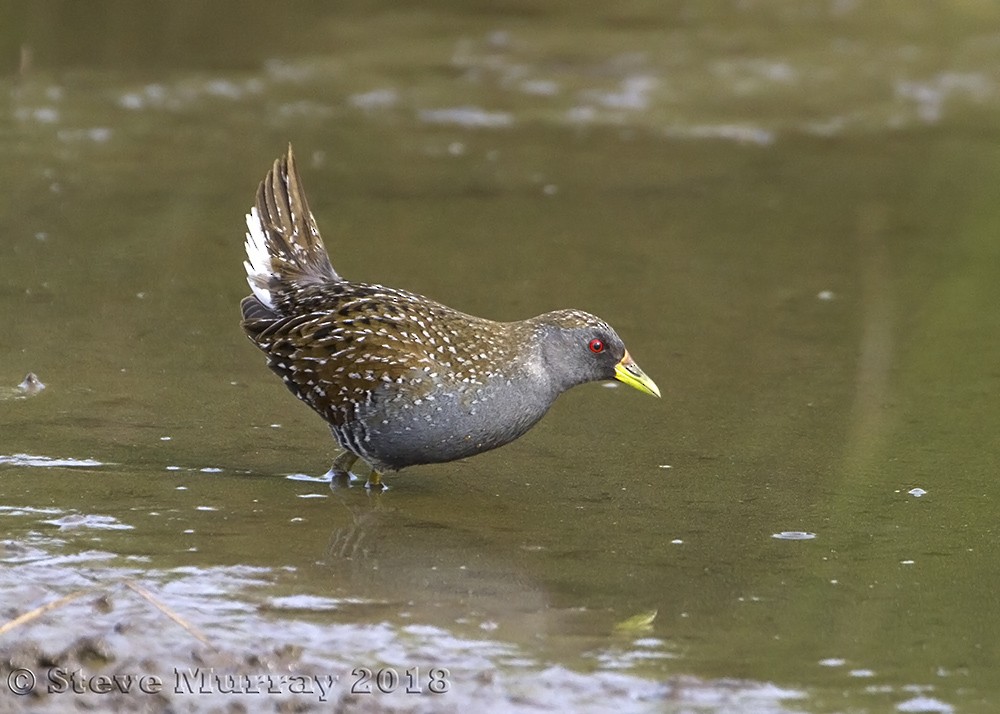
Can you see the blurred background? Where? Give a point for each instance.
(787, 209)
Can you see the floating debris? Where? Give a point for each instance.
(31, 384)
(642, 622)
(29, 387)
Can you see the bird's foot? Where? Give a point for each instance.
(339, 479)
(340, 471)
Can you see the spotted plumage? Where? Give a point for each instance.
(401, 379)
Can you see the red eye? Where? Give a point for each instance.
(596, 346)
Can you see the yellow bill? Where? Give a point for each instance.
(628, 372)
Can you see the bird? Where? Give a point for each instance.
(401, 379)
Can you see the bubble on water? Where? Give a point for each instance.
(832, 662)
(794, 535)
(917, 492)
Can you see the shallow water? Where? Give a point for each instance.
(788, 212)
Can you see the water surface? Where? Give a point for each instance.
(788, 211)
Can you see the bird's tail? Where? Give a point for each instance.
(284, 248)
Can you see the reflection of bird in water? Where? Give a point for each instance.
(352, 541)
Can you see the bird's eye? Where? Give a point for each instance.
(596, 346)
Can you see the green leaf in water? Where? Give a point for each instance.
(637, 623)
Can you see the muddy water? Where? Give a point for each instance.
(789, 212)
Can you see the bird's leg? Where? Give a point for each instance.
(340, 471)
(375, 481)
(344, 462)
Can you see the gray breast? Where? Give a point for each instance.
(449, 421)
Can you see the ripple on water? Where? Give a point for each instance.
(46, 461)
(27, 511)
(793, 535)
(89, 520)
(469, 117)
(925, 704)
(12, 551)
(375, 99)
(306, 477)
(316, 603)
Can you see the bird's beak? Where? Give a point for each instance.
(628, 372)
